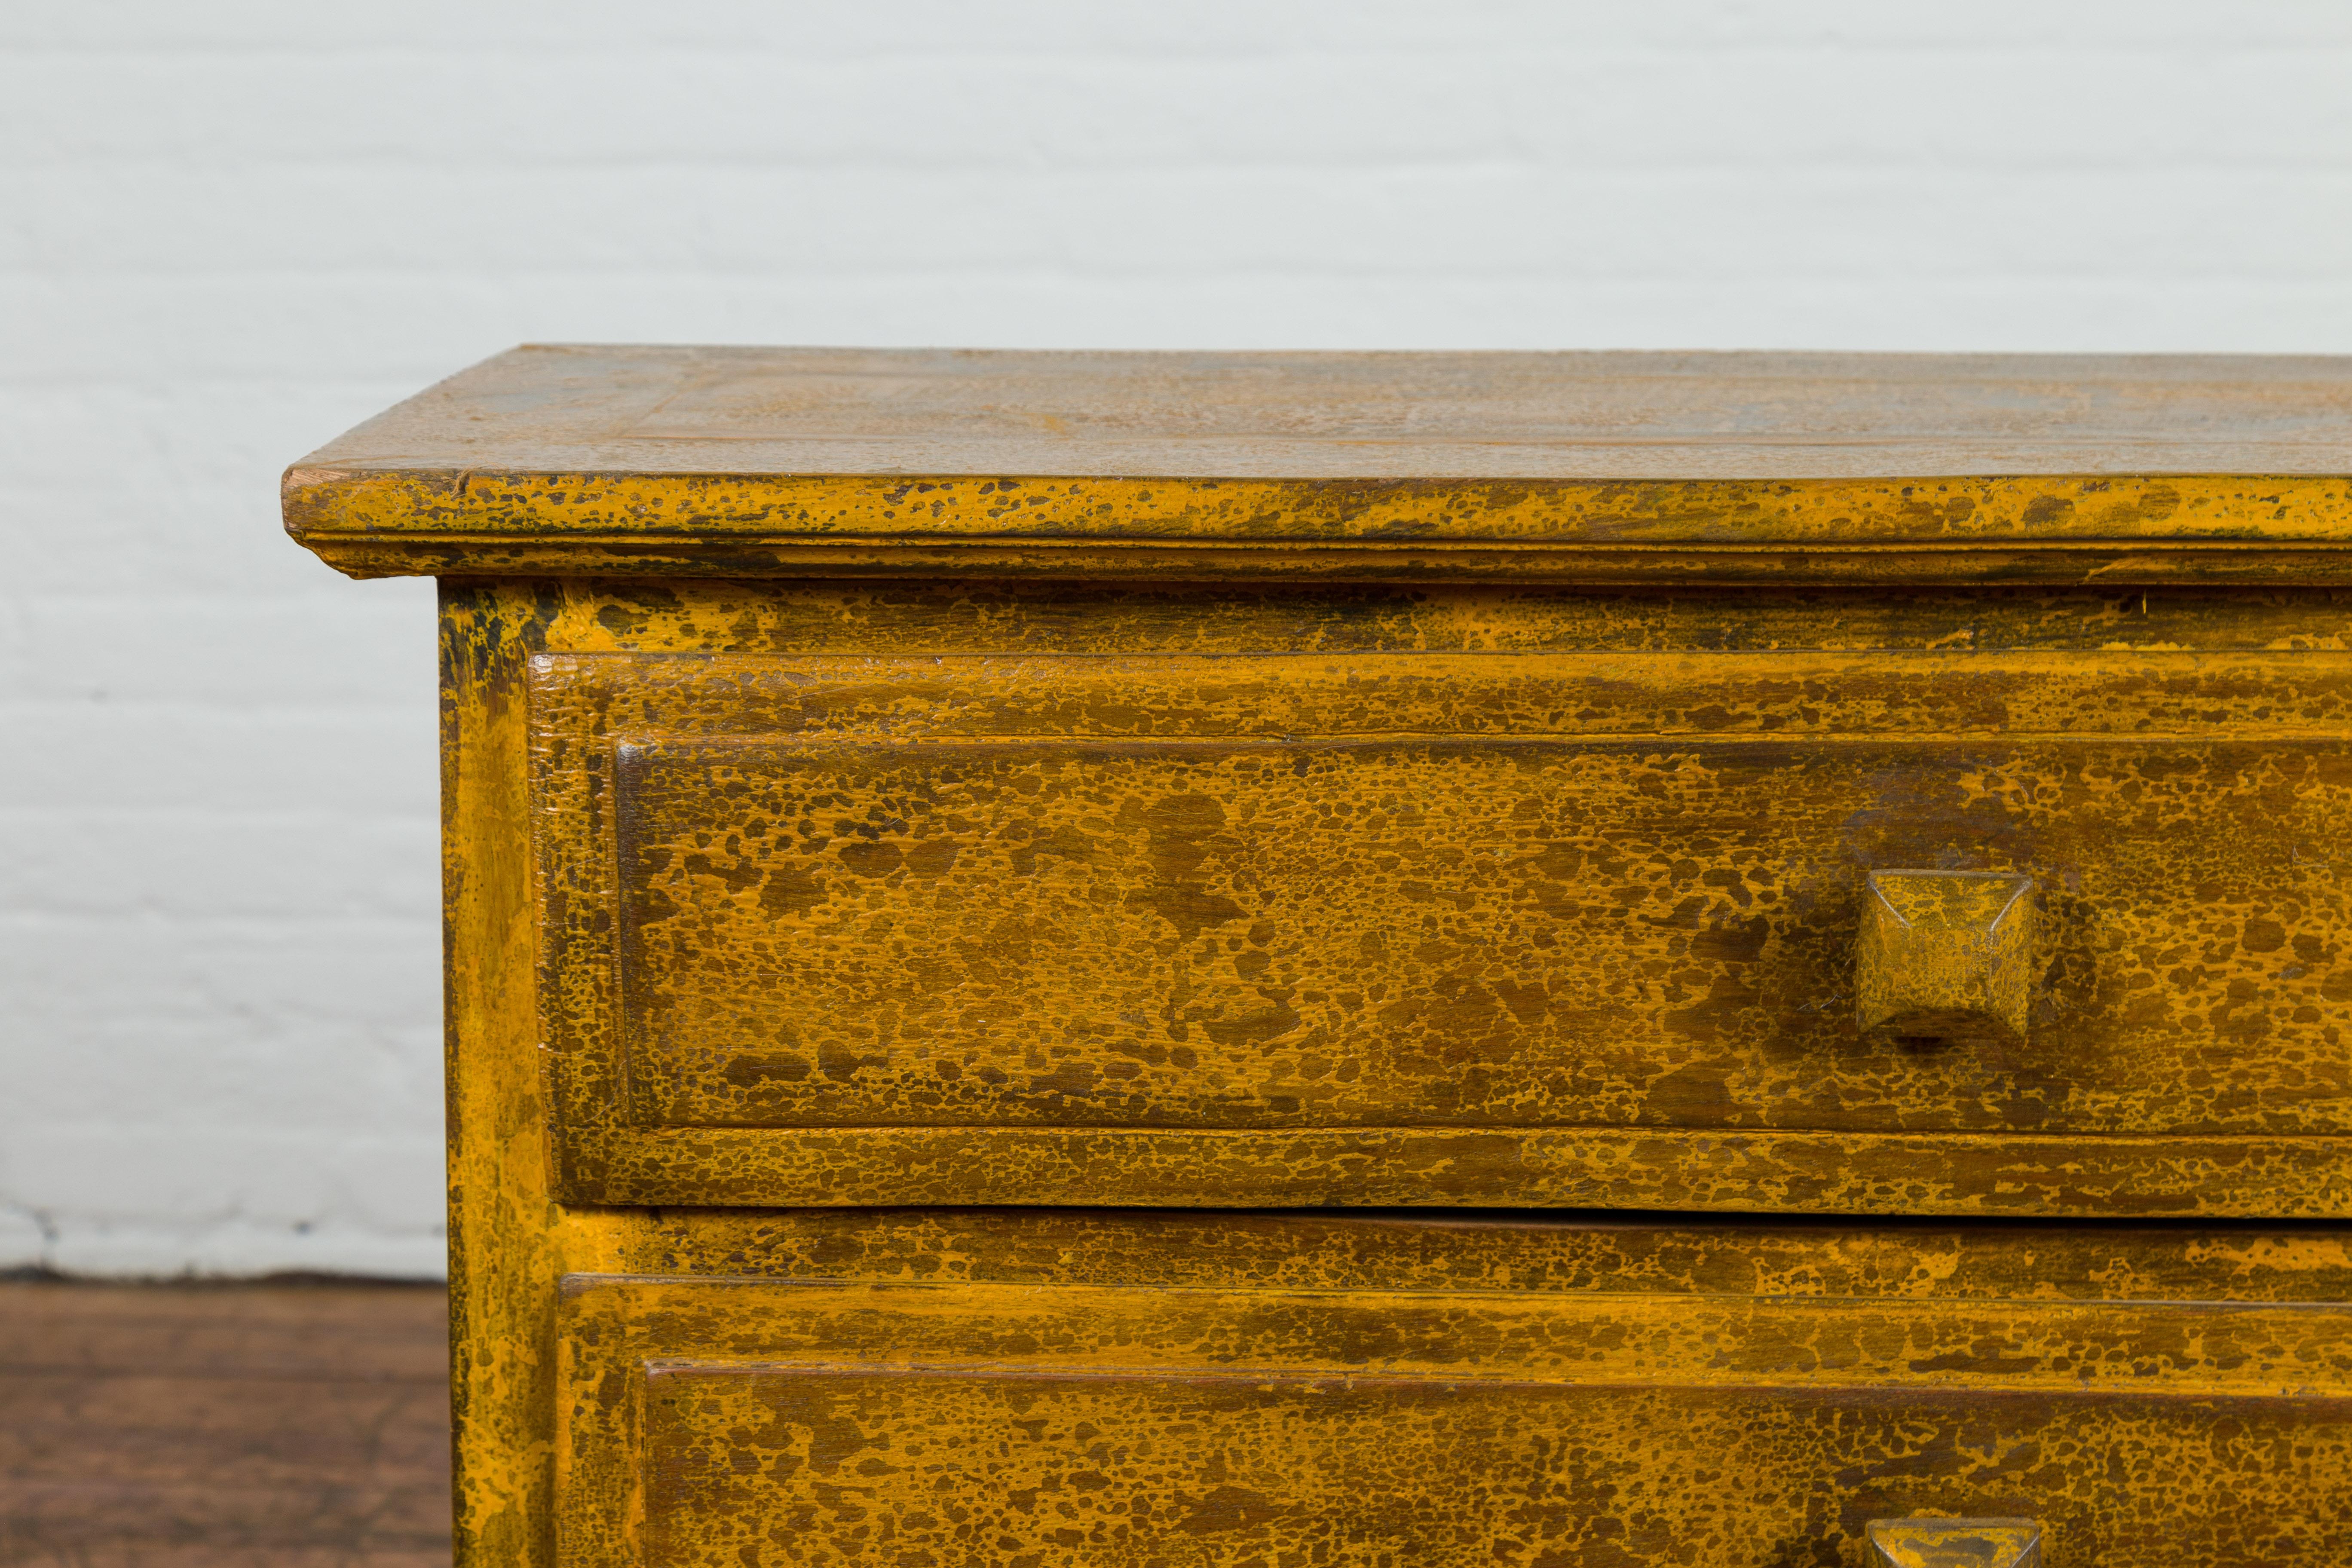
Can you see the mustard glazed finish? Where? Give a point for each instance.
(1266, 928)
(1580, 468)
(1081, 1424)
(1488, 862)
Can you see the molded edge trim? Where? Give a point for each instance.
(1708, 1171)
(2067, 527)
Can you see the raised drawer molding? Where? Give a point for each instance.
(1808, 891)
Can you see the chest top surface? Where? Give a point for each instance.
(796, 462)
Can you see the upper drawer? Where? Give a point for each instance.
(1568, 929)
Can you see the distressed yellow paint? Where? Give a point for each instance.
(1857, 469)
(506, 1235)
(734, 1380)
(709, 1422)
(2060, 529)
(615, 509)
(1463, 928)
(510, 1242)
(1334, 1250)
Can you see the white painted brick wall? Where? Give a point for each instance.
(228, 230)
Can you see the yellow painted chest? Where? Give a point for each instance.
(1394, 959)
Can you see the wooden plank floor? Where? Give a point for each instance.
(274, 1425)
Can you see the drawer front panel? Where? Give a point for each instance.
(754, 1423)
(1472, 933)
(1235, 905)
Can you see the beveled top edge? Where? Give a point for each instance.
(663, 461)
(619, 410)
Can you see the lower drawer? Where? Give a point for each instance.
(758, 1421)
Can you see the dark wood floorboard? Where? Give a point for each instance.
(246, 1426)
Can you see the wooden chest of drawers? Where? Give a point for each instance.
(1390, 959)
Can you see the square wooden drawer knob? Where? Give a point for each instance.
(1944, 955)
(1955, 1544)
